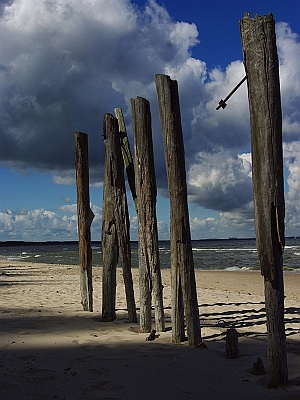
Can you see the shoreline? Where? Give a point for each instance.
(24, 260)
(51, 348)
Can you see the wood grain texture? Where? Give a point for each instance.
(262, 69)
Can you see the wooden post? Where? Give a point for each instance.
(182, 263)
(258, 367)
(261, 64)
(109, 238)
(127, 156)
(232, 344)
(115, 221)
(85, 218)
(150, 275)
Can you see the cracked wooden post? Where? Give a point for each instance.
(109, 239)
(127, 156)
(115, 224)
(149, 262)
(182, 263)
(85, 218)
(262, 69)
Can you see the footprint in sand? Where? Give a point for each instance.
(24, 358)
(84, 359)
(116, 338)
(99, 371)
(8, 386)
(112, 398)
(80, 342)
(39, 374)
(108, 385)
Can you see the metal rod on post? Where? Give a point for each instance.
(222, 103)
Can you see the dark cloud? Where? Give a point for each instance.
(65, 69)
(3, 5)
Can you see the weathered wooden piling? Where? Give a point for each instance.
(182, 263)
(109, 238)
(232, 344)
(127, 156)
(85, 218)
(115, 223)
(149, 261)
(262, 69)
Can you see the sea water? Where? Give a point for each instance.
(223, 254)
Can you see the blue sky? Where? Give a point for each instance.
(63, 64)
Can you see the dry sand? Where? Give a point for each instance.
(52, 349)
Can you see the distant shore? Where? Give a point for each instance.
(95, 242)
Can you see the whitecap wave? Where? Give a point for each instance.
(235, 268)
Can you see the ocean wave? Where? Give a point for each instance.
(17, 258)
(236, 268)
(216, 250)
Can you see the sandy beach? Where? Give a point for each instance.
(52, 349)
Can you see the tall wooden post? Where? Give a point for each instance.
(261, 64)
(127, 156)
(150, 275)
(182, 263)
(109, 238)
(85, 218)
(115, 216)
